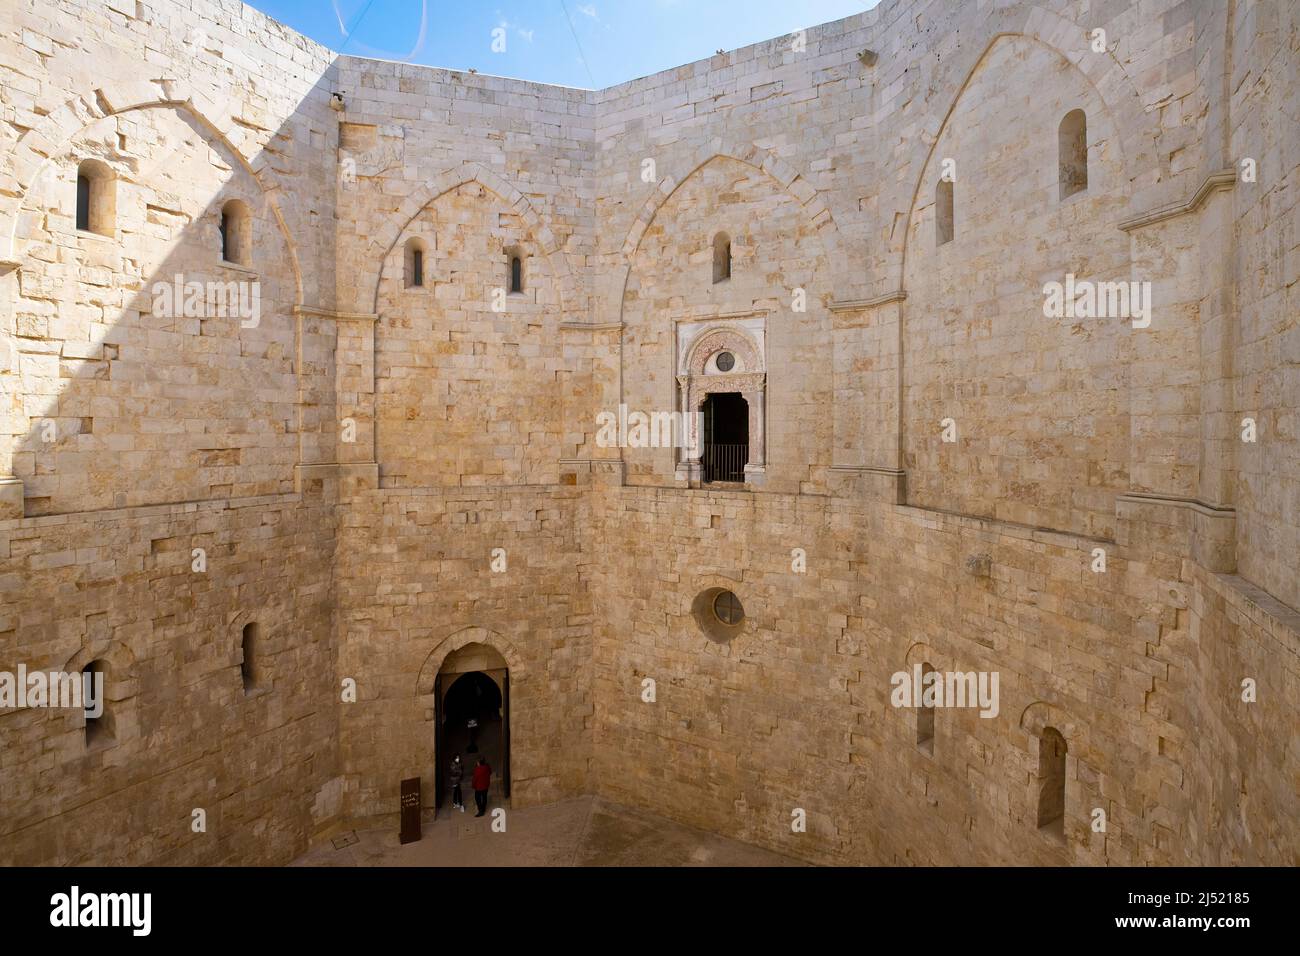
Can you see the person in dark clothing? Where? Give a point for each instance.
(455, 774)
(482, 780)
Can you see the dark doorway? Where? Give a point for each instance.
(726, 437)
(473, 696)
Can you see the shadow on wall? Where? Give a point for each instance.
(173, 377)
(153, 357)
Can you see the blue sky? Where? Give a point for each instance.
(587, 43)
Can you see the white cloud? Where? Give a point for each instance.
(526, 34)
(589, 10)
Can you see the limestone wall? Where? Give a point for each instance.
(416, 581)
(349, 461)
(156, 510)
(120, 587)
(796, 712)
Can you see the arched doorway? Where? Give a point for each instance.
(472, 717)
(726, 437)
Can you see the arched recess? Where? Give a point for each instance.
(920, 653)
(1138, 132)
(789, 178)
(383, 241)
(34, 151)
(1040, 715)
(462, 638)
(118, 654)
(120, 685)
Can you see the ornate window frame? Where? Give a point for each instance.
(699, 341)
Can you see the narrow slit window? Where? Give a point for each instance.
(413, 264)
(98, 720)
(236, 233)
(925, 712)
(1051, 783)
(248, 670)
(721, 257)
(516, 273)
(1073, 145)
(944, 229)
(83, 202)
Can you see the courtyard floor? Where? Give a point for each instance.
(585, 831)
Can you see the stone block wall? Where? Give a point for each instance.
(121, 587)
(350, 462)
(419, 575)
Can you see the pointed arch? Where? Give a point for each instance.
(1138, 133)
(36, 149)
(764, 160)
(383, 241)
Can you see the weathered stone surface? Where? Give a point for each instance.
(349, 462)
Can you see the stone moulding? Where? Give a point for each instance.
(591, 326)
(877, 482)
(855, 305)
(1223, 179)
(1212, 529)
(332, 314)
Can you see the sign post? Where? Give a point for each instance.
(410, 832)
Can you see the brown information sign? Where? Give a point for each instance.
(410, 832)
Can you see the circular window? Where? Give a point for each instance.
(726, 361)
(719, 614)
(726, 606)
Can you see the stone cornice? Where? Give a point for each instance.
(591, 326)
(855, 305)
(720, 316)
(1223, 179)
(868, 469)
(1176, 501)
(332, 314)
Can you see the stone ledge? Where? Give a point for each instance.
(854, 305)
(1223, 179)
(591, 326)
(332, 314)
(143, 512)
(1211, 529)
(876, 483)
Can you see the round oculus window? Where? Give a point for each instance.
(727, 609)
(726, 361)
(719, 614)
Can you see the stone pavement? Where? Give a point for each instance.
(585, 831)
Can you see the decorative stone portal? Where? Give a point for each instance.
(472, 717)
(722, 373)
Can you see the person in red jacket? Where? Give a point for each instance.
(482, 780)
